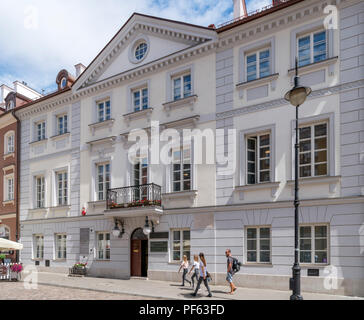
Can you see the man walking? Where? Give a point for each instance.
(230, 271)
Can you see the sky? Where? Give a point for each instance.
(45, 36)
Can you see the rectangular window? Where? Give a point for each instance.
(40, 191)
(103, 246)
(103, 181)
(313, 150)
(40, 128)
(312, 48)
(258, 158)
(61, 247)
(38, 247)
(62, 188)
(258, 245)
(9, 188)
(10, 143)
(258, 65)
(181, 166)
(314, 244)
(141, 179)
(104, 110)
(62, 124)
(182, 87)
(181, 244)
(140, 99)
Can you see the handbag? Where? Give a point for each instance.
(208, 277)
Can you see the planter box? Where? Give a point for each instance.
(78, 271)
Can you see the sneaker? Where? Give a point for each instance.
(193, 294)
(209, 295)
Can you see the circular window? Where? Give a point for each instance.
(63, 83)
(140, 51)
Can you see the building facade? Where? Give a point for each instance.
(85, 197)
(13, 98)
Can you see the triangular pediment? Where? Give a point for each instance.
(160, 38)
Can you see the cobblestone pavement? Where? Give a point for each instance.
(16, 291)
(163, 290)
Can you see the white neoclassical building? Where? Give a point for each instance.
(80, 184)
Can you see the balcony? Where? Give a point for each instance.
(134, 201)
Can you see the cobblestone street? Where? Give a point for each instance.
(16, 291)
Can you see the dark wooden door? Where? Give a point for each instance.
(136, 258)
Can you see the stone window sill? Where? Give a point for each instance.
(184, 102)
(101, 124)
(145, 113)
(180, 195)
(68, 207)
(267, 265)
(315, 66)
(314, 265)
(96, 204)
(9, 155)
(273, 186)
(38, 142)
(8, 202)
(61, 136)
(332, 181)
(257, 82)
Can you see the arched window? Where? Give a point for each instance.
(9, 142)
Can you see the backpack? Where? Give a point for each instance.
(236, 265)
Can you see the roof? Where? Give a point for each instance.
(256, 15)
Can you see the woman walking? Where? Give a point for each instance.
(184, 266)
(196, 268)
(203, 276)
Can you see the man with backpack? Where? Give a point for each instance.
(230, 270)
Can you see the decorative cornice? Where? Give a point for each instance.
(280, 102)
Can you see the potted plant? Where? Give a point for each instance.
(16, 270)
(79, 269)
(2, 258)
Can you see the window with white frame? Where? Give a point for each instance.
(62, 124)
(62, 188)
(258, 158)
(103, 246)
(39, 192)
(312, 47)
(182, 86)
(40, 128)
(9, 187)
(61, 246)
(314, 244)
(38, 246)
(9, 143)
(140, 99)
(181, 244)
(313, 142)
(140, 179)
(258, 64)
(104, 110)
(103, 180)
(258, 244)
(181, 169)
(4, 232)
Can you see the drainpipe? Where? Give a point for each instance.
(17, 229)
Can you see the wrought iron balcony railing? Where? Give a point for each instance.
(134, 196)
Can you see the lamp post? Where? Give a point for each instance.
(296, 96)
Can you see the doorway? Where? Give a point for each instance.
(139, 254)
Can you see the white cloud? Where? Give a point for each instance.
(47, 36)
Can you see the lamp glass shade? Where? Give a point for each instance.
(297, 96)
(116, 232)
(147, 230)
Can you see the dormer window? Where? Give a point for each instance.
(63, 83)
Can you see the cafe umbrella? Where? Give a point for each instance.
(9, 245)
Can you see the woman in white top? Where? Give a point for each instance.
(195, 267)
(184, 265)
(203, 276)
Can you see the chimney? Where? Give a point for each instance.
(239, 9)
(80, 68)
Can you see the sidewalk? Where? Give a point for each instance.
(168, 290)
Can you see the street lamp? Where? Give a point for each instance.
(296, 96)
(117, 233)
(147, 229)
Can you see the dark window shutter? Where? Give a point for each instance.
(84, 241)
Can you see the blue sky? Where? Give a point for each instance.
(47, 36)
